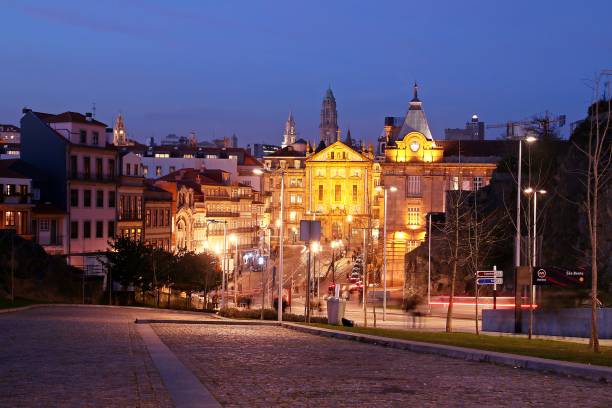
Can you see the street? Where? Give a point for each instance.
(94, 356)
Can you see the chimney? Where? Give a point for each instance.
(26, 110)
(88, 116)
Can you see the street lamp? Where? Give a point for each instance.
(233, 238)
(393, 190)
(315, 247)
(281, 238)
(517, 240)
(224, 259)
(535, 193)
(349, 219)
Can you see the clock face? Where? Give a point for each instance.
(414, 146)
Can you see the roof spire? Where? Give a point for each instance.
(415, 92)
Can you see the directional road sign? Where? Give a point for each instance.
(490, 274)
(490, 281)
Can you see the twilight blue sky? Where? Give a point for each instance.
(219, 67)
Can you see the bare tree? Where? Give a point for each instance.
(598, 153)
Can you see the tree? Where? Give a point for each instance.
(197, 273)
(598, 153)
(128, 262)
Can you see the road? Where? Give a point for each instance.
(94, 356)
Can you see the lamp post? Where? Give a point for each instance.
(233, 238)
(223, 262)
(385, 190)
(281, 238)
(349, 220)
(535, 193)
(517, 238)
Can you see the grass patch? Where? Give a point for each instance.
(19, 302)
(551, 349)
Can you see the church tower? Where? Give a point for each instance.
(119, 133)
(329, 119)
(290, 132)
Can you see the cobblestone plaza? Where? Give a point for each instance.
(94, 356)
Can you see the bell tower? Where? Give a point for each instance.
(290, 132)
(329, 118)
(119, 133)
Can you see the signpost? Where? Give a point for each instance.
(494, 278)
(310, 230)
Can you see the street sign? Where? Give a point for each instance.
(490, 274)
(310, 230)
(546, 275)
(490, 281)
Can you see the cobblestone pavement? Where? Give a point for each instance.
(78, 356)
(271, 366)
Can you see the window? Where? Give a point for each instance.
(100, 198)
(162, 155)
(99, 229)
(145, 171)
(172, 169)
(111, 168)
(338, 192)
(86, 229)
(111, 199)
(478, 183)
(296, 164)
(320, 192)
(74, 229)
(73, 166)
(465, 185)
(356, 173)
(74, 198)
(413, 185)
(95, 137)
(295, 182)
(111, 229)
(355, 195)
(83, 136)
(320, 173)
(87, 167)
(147, 218)
(128, 169)
(23, 189)
(9, 218)
(86, 198)
(292, 216)
(413, 216)
(331, 155)
(10, 189)
(158, 170)
(44, 225)
(454, 183)
(412, 244)
(167, 218)
(99, 171)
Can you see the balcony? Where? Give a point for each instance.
(15, 198)
(85, 176)
(222, 214)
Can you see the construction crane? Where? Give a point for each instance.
(544, 123)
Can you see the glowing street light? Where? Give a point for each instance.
(392, 189)
(530, 190)
(349, 219)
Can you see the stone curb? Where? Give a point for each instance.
(586, 371)
(178, 311)
(228, 322)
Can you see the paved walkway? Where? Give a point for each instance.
(92, 356)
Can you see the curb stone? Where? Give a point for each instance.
(586, 371)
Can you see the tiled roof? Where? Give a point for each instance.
(17, 168)
(68, 117)
(8, 128)
(287, 152)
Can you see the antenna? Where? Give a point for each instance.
(93, 110)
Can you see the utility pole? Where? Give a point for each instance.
(13, 267)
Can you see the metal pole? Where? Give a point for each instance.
(13, 268)
(280, 267)
(308, 279)
(533, 263)
(429, 265)
(224, 268)
(385, 257)
(517, 243)
(236, 275)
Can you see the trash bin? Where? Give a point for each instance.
(335, 310)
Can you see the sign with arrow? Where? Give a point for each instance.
(490, 281)
(490, 274)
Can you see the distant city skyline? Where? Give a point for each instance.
(241, 67)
